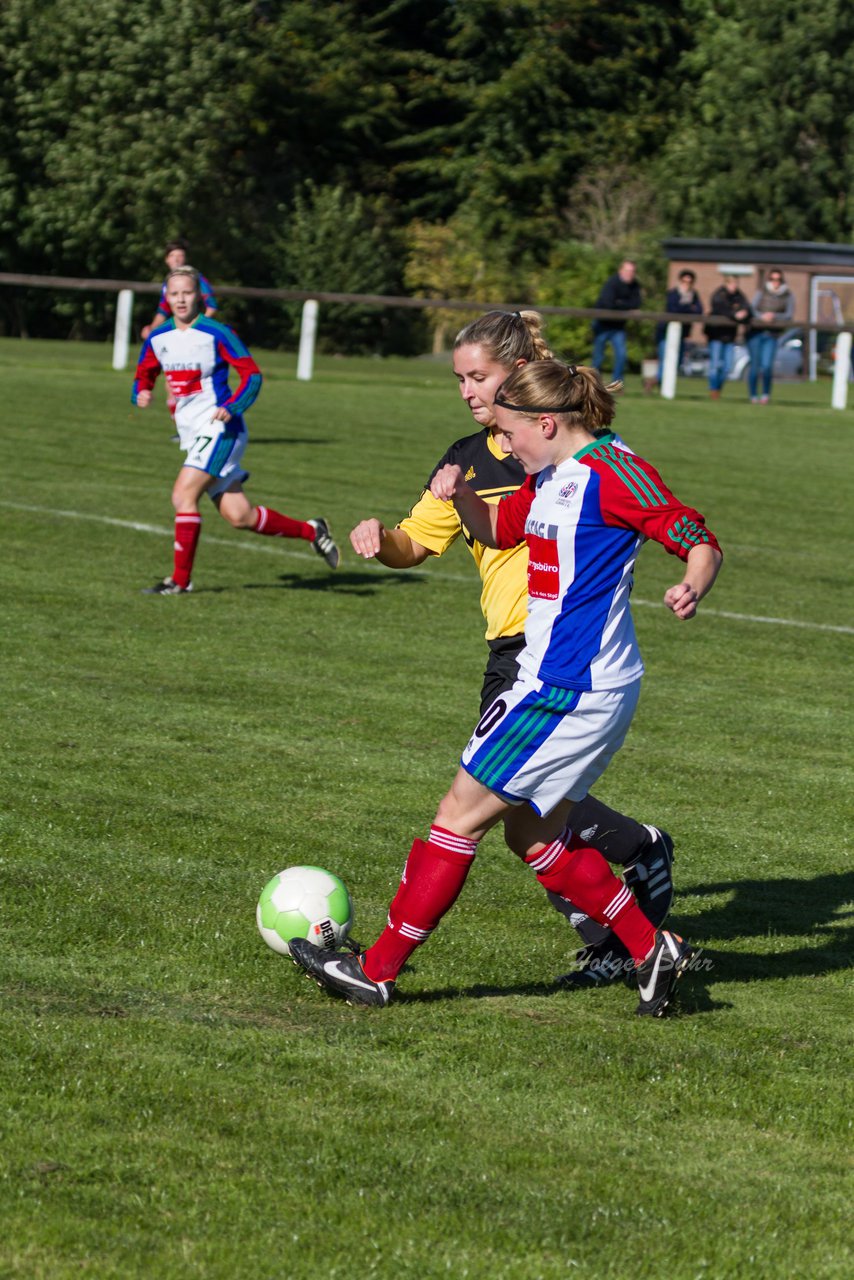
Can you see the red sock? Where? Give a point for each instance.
(187, 530)
(581, 874)
(434, 874)
(274, 525)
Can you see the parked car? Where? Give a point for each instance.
(788, 360)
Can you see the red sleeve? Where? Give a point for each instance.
(232, 351)
(513, 512)
(146, 370)
(633, 495)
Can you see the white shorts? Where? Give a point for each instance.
(219, 452)
(543, 744)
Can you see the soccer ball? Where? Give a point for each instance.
(304, 902)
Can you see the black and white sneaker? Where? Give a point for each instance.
(339, 972)
(167, 588)
(323, 542)
(660, 972)
(598, 966)
(651, 878)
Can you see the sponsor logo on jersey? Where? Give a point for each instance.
(539, 529)
(184, 382)
(543, 568)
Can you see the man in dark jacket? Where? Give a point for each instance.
(620, 292)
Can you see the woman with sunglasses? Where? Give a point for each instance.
(773, 304)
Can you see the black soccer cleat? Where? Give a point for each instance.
(660, 971)
(650, 879)
(323, 542)
(339, 972)
(167, 588)
(599, 966)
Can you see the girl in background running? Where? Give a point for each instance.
(196, 354)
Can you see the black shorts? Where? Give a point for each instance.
(501, 669)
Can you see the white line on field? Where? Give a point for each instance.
(278, 547)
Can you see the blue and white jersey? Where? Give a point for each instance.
(196, 362)
(584, 522)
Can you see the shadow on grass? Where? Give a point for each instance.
(339, 583)
(788, 904)
(769, 909)
(779, 909)
(692, 995)
(254, 441)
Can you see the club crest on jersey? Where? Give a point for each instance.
(567, 493)
(470, 474)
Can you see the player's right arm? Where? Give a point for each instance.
(147, 369)
(479, 517)
(501, 525)
(429, 530)
(392, 547)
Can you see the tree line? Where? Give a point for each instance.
(508, 149)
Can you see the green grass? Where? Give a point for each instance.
(174, 1100)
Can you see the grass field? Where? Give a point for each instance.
(175, 1101)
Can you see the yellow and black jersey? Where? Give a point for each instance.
(436, 525)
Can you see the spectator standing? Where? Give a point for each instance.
(620, 292)
(683, 299)
(773, 304)
(727, 301)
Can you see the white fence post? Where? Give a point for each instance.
(121, 337)
(307, 335)
(672, 343)
(841, 368)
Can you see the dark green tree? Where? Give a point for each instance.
(763, 145)
(335, 241)
(540, 91)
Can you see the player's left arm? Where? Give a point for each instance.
(232, 351)
(702, 567)
(633, 494)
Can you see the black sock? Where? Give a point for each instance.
(589, 930)
(616, 836)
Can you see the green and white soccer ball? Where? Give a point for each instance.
(304, 902)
